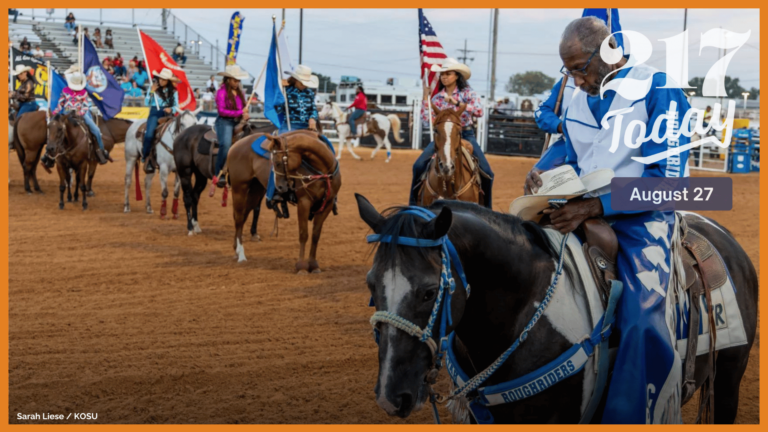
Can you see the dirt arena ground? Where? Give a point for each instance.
(126, 316)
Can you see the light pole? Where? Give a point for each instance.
(746, 95)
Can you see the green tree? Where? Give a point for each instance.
(754, 93)
(326, 85)
(732, 87)
(529, 83)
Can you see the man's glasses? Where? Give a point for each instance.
(579, 72)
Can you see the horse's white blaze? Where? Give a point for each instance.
(396, 287)
(240, 250)
(447, 147)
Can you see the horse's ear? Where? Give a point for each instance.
(434, 109)
(442, 223)
(369, 214)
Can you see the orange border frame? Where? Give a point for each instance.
(763, 220)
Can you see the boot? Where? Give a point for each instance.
(101, 156)
(149, 166)
(221, 182)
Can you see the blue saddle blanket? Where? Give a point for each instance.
(256, 147)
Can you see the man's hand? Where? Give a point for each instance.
(532, 182)
(560, 127)
(571, 215)
(168, 110)
(246, 116)
(154, 86)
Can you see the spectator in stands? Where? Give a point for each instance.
(38, 53)
(506, 107)
(74, 39)
(210, 85)
(25, 46)
(117, 64)
(24, 96)
(14, 12)
(108, 39)
(107, 64)
(135, 91)
(197, 94)
(178, 53)
(69, 23)
(207, 99)
(131, 70)
(96, 39)
(141, 77)
(124, 84)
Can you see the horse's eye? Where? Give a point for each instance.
(429, 295)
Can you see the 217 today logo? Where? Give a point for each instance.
(677, 77)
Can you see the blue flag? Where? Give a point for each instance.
(273, 94)
(603, 15)
(102, 87)
(57, 84)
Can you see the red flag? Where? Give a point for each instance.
(430, 49)
(156, 59)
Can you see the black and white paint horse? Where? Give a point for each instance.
(509, 265)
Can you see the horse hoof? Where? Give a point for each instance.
(91, 193)
(256, 238)
(149, 210)
(61, 206)
(40, 191)
(386, 161)
(191, 233)
(126, 209)
(302, 272)
(85, 207)
(29, 192)
(316, 271)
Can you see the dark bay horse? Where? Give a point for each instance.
(303, 163)
(191, 163)
(453, 174)
(29, 136)
(509, 265)
(68, 144)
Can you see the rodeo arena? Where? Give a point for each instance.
(469, 268)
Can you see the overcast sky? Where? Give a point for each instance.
(375, 44)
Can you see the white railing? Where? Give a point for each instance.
(709, 157)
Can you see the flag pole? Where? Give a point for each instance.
(146, 61)
(608, 20)
(80, 48)
(263, 68)
(279, 77)
(12, 81)
(557, 107)
(429, 104)
(50, 81)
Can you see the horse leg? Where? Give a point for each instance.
(164, 190)
(62, 184)
(73, 176)
(129, 164)
(147, 186)
(240, 192)
(25, 167)
(350, 147)
(200, 183)
(81, 181)
(388, 145)
(378, 146)
(317, 228)
(255, 196)
(34, 172)
(187, 188)
(730, 365)
(304, 204)
(342, 139)
(176, 189)
(91, 173)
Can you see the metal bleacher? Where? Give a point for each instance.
(54, 37)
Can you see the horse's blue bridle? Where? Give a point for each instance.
(449, 257)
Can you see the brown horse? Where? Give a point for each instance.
(453, 172)
(69, 145)
(29, 135)
(112, 132)
(302, 163)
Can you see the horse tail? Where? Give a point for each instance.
(17, 142)
(395, 121)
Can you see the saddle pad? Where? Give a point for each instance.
(728, 322)
(204, 146)
(257, 148)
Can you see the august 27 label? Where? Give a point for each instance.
(668, 194)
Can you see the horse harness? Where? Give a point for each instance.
(473, 166)
(306, 180)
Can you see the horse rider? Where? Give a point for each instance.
(453, 93)
(360, 106)
(302, 113)
(163, 100)
(74, 98)
(25, 94)
(552, 123)
(230, 103)
(645, 385)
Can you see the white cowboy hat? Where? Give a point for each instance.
(566, 185)
(72, 69)
(20, 69)
(303, 74)
(75, 80)
(234, 71)
(165, 74)
(451, 64)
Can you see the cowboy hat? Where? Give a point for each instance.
(561, 183)
(165, 74)
(235, 72)
(72, 69)
(451, 64)
(20, 69)
(303, 74)
(75, 80)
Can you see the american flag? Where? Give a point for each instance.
(430, 50)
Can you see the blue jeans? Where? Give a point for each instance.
(352, 117)
(645, 385)
(149, 134)
(225, 127)
(69, 26)
(283, 128)
(94, 129)
(176, 58)
(119, 70)
(14, 12)
(26, 107)
(422, 163)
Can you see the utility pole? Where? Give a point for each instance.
(301, 31)
(464, 58)
(283, 14)
(493, 55)
(165, 19)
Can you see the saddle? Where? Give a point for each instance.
(704, 271)
(213, 141)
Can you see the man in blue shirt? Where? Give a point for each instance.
(645, 385)
(140, 77)
(552, 123)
